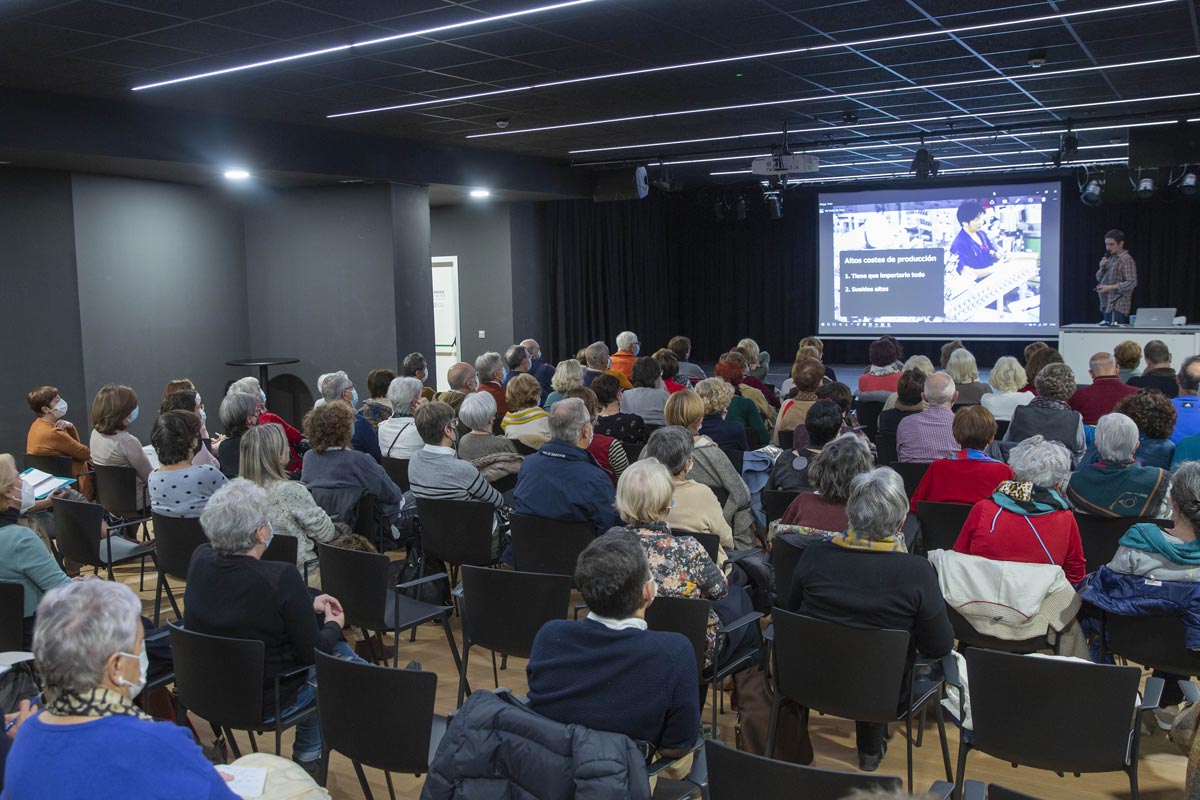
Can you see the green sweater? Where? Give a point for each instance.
(743, 411)
(25, 560)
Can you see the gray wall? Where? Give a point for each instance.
(41, 308)
(413, 274)
(530, 285)
(161, 288)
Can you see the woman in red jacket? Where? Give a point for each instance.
(970, 475)
(1026, 519)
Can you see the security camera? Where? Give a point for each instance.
(1037, 58)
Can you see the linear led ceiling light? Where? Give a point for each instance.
(752, 56)
(844, 96)
(367, 43)
(878, 175)
(898, 121)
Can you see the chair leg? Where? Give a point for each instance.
(172, 601)
(908, 741)
(254, 742)
(462, 672)
(921, 729)
(387, 776)
(960, 776)
(158, 597)
(503, 661)
(941, 722)
(233, 745)
(142, 576)
(1133, 781)
(450, 639)
(362, 781)
(323, 773)
(370, 646)
(716, 699)
(772, 721)
(495, 674)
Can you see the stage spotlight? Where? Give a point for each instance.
(1068, 148)
(1145, 188)
(1091, 193)
(774, 203)
(923, 164)
(739, 209)
(1187, 184)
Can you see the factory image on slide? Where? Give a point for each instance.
(964, 259)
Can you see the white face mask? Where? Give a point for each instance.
(199, 402)
(60, 409)
(143, 667)
(203, 419)
(27, 497)
(262, 394)
(133, 417)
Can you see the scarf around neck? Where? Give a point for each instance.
(853, 541)
(1022, 497)
(1150, 538)
(98, 702)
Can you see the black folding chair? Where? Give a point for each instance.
(711, 542)
(632, 451)
(735, 457)
(220, 679)
(363, 584)
(12, 617)
(282, 548)
(863, 675)
(502, 611)
(775, 502)
(457, 532)
(1101, 536)
(941, 523)
(689, 616)
(1156, 642)
(885, 449)
(397, 470)
(548, 545)
(58, 466)
(786, 438)
(912, 472)
(349, 693)
(175, 539)
(77, 530)
(1018, 704)
(786, 551)
(506, 484)
(737, 775)
(116, 491)
(867, 415)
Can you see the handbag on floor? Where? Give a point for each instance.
(752, 698)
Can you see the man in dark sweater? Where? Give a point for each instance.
(232, 592)
(1094, 401)
(864, 578)
(609, 672)
(1159, 374)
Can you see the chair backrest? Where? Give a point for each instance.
(283, 548)
(1101, 536)
(341, 503)
(397, 470)
(505, 484)
(735, 457)
(59, 466)
(786, 438)
(503, 609)
(219, 678)
(911, 472)
(885, 448)
(995, 792)
(368, 520)
(1019, 705)
(848, 672)
(456, 531)
(350, 693)
(735, 775)
(359, 581)
(867, 415)
(632, 451)
(12, 617)
(775, 502)
(711, 542)
(967, 636)
(682, 615)
(175, 539)
(785, 555)
(77, 530)
(116, 490)
(941, 523)
(1155, 642)
(1001, 429)
(548, 545)
(722, 495)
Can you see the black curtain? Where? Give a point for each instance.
(665, 265)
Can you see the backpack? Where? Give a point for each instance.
(435, 592)
(752, 568)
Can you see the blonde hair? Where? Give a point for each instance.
(644, 492)
(567, 375)
(1007, 375)
(751, 348)
(263, 451)
(715, 393)
(8, 478)
(523, 392)
(921, 363)
(810, 341)
(962, 367)
(808, 351)
(684, 408)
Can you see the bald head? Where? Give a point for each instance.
(461, 377)
(1102, 364)
(1189, 376)
(940, 390)
(533, 348)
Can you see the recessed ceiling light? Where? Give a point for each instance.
(237, 174)
(480, 193)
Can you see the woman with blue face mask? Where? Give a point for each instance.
(250, 385)
(113, 411)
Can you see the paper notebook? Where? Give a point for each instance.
(43, 483)
(247, 782)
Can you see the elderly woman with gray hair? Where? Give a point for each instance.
(1027, 519)
(232, 592)
(398, 437)
(1048, 414)
(250, 385)
(1116, 485)
(239, 413)
(866, 578)
(831, 471)
(478, 412)
(695, 507)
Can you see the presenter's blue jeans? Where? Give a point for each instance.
(1116, 318)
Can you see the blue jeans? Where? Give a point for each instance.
(1116, 318)
(307, 746)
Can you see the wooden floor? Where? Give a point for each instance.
(1161, 772)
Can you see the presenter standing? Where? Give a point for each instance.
(1116, 280)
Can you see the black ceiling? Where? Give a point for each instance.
(103, 48)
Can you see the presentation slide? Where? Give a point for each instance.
(978, 262)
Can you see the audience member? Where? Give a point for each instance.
(377, 408)
(568, 375)
(711, 466)
(717, 395)
(609, 453)
(291, 509)
(694, 508)
(437, 473)
(179, 488)
(881, 376)
(970, 475)
(539, 369)
(414, 365)
(1006, 379)
(807, 374)
(1032, 348)
(239, 413)
(840, 395)
(831, 472)
(189, 400)
(1026, 519)
(742, 409)
(610, 672)
(232, 592)
(112, 445)
(365, 438)
(751, 380)
(517, 362)
(921, 364)
(250, 385)
(962, 368)
(561, 480)
(909, 390)
(478, 411)
(929, 435)
(490, 368)
(648, 396)
(628, 348)
(1035, 362)
(332, 464)
(1158, 373)
(611, 421)
(1048, 414)
(398, 437)
(865, 578)
(948, 350)
(790, 470)
(815, 343)
(598, 363)
(51, 434)
(1093, 402)
(1129, 357)
(526, 420)
(1187, 423)
(463, 381)
(668, 367)
(91, 740)
(1116, 485)
(681, 346)
(1154, 417)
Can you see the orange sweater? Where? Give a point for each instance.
(46, 440)
(622, 362)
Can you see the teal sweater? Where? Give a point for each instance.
(25, 560)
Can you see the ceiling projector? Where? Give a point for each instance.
(789, 164)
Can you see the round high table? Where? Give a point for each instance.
(262, 364)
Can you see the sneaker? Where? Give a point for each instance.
(871, 763)
(313, 768)
(1165, 717)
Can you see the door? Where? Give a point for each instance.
(445, 317)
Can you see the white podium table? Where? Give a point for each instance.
(1078, 343)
